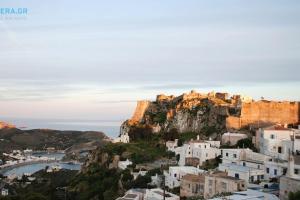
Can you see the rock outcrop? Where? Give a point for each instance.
(209, 113)
(6, 125)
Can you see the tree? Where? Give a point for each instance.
(140, 133)
(35, 196)
(294, 195)
(126, 175)
(142, 181)
(245, 143)
(171, 135)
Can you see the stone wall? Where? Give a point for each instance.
(263, 113)
(140, 110)
(288, 185)
(233, 122)
(270, 112)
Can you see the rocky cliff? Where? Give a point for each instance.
(209, 114)
(6, 125)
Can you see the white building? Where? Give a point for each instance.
(175, 173)
(156, 180)
(158, 194)
(232, 138)
(249, 195)
(4, 192)
(275, 168)
(172, 145)
(199, 149)
(249, 174)
(124, 138)
(133, 194)
(54, 168)
(290, 182)
(123, 164)
(244, 164)
(244, 157)
(277, 141)
(139, 173)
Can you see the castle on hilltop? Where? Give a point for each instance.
(247, 112)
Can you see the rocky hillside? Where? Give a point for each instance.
(193, 112)
(6, 125)
(40, 139)
(209, 114)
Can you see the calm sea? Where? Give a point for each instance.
(110, 128)
(32, 168)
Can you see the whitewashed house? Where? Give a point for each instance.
(232, 138)
(124, 138)
(172, 145)
(123, 164)
(291, 181)
(158, 194)
(201, 150)
(244, 164)
(276, 141)
(244, 157)
(275, 167)
(139, 173)
(175, 173)
(4, 192)
(133, 194)
(249, 174)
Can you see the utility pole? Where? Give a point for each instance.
(164, 198)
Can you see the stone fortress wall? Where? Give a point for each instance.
(140, 110)
(253, 113)
(263, 113)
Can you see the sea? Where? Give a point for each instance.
(110, 127)
(32, 168)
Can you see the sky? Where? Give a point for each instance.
(92, 60)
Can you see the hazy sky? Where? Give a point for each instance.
(94, 59)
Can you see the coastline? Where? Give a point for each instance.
(5, 169)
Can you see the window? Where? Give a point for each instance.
(258, 166)
(272, 136)
(275, 171)
(236, 175)
(261, 176)
(224, 186)
(206, 154)
(262, 135)
(204, 146)
(210, 182)
(201, 188)
(226, 154)
(244, 164)
(234, 155)
(279, 149)
(284, 171)
(267, 170)
(175, 175)
(296, 171)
